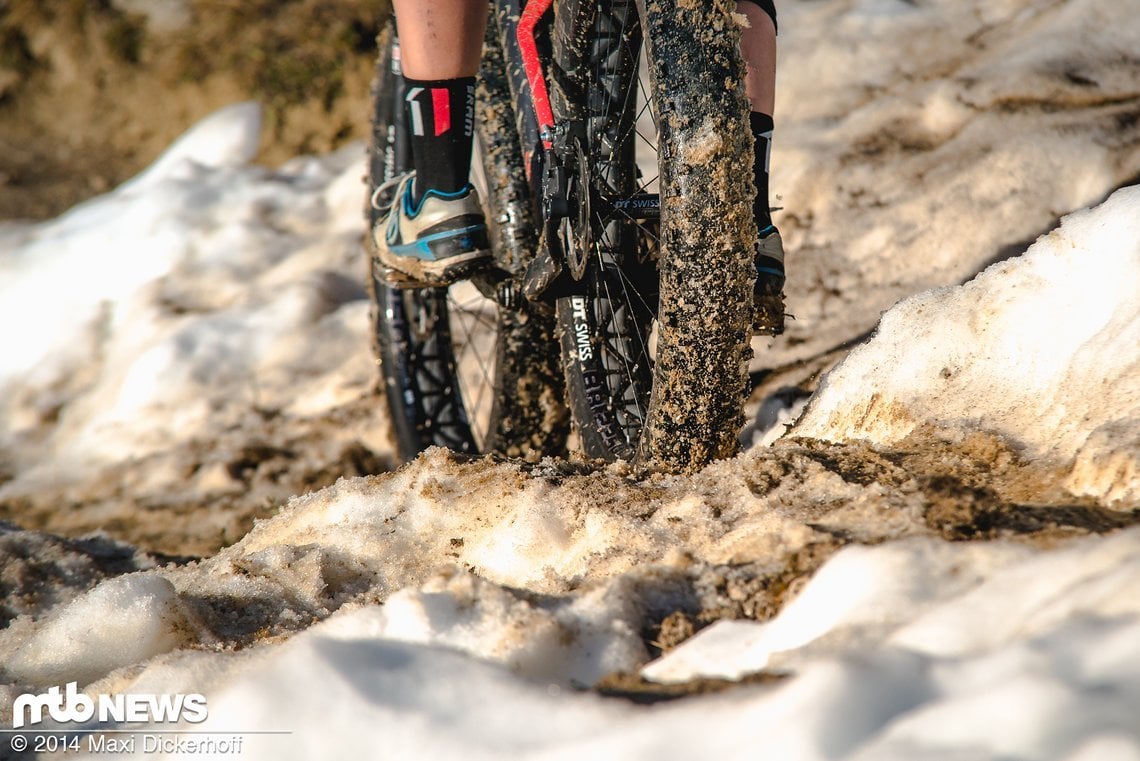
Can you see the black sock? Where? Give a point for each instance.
(762, 126)
(441, 115)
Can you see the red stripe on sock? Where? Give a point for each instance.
(441, 109)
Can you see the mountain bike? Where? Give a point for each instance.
(614, 149)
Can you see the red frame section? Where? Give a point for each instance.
(534, 11)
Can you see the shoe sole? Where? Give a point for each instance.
(426, 274)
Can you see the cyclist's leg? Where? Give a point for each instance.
(758, 48)
(441, 39)
(441, 42)
(434, 232)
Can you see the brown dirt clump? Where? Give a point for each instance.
(982, 488)
(976, 489)
(635, 689)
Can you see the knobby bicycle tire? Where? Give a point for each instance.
(509, 400)
(531, 418)
(655, 347)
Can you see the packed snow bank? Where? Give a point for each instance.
(991, 650)
(229, 137)
(1029, 701)
(386, 699)
(120, 622)
(574, 557)
(576, 642)
(168, 338)
(925, 596)
(39, 571)
(70, 269)
(917, 142)
(201, 286)
(563, 569)
(856, 600)
(1028, 656)
(1040, 349)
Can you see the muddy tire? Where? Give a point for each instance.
(458, 370)
(655, 345)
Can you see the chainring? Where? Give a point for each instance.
(577, 230)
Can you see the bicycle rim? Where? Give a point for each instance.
(430, 401)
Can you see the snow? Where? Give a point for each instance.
(459, 608)
(951, 132)
(857, 600)
(1063, 686)
(173, 303)
(1033, 348)
(58, 281)
(139, 616)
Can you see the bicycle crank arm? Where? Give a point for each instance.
(497, 284)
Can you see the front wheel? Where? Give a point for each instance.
(655, 344)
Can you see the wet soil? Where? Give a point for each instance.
(201, 495)
(977, 489)
(641, 691)
(92, 91)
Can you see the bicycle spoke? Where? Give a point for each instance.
(642, 349)
(474, 326)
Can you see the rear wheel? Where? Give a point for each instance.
(655, 343)
(460, 369)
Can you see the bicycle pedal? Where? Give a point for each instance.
(768, 315)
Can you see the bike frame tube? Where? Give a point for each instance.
(505, 17)
(528, 45)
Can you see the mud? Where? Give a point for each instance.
(531, 419)
(641, 691)
(766, 521)
(706, 272)
(201, 495)
(974, 490)
(737, 540)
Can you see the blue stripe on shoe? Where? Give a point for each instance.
(421, 247)
(770, 271)
(413, 213)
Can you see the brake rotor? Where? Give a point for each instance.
(576, 230)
